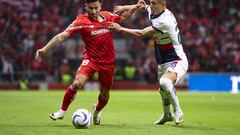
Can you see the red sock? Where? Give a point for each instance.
(68, 98)
(101, 103)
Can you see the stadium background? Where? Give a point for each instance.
(211, 39)
(210, 34)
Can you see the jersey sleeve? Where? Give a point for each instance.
(113, 17)
(147, 8)
(74, 27)
(161, 26)
(164, 24)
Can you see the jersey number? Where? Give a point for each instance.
(173, 65)
(85, 62)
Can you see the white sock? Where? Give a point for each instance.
(167, 85)
(62, 111)
(165, 102)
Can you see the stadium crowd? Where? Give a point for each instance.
(210, 32)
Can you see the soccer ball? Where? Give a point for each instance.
(82, 118)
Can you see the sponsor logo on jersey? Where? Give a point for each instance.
(101, 31)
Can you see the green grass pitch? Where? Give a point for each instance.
(128, 113)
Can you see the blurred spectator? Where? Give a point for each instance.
(65, 72)
(130, 71)
(23, 83)
(7, 68)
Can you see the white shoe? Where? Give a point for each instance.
(57, 115)
(178, 117)
(96, 116)
(164, 118)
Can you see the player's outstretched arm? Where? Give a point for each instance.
(54, 41)
(133, 32)
(128, 13)
(127, 10)
(123, 8)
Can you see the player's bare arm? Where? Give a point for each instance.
(122, 9)
(125, 15)
(54, 41)
(133, 32)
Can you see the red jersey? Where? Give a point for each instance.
(97, 37)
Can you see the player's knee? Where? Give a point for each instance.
(77, 85)
(164, 83)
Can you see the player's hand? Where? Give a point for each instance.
(141, 4)
(40, 53)
(114, 26)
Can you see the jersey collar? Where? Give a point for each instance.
(156, 16)
(103, 18)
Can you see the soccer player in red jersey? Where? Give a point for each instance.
(98, 55)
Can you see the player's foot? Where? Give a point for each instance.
(164, 118)
(178, 117)
(57, 115)
(96, 116)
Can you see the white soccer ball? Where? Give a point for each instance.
(82, 118)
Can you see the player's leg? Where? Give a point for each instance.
(69, 96)
(103, 98)
(167, 115)
(82, 75)
(166, 84)
(106, 79)
(165, 101)
(174, 71)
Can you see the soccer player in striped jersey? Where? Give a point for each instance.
(98, 55)
(170, 56)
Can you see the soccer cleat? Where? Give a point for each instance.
(164, 118)
(178, 117)
(96, 116)
(57, 115)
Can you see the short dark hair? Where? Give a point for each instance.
(90, 1)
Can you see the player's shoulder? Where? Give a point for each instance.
(107, 14)
(166, 18)
(167, 13)
(163, 15)
(81, 18)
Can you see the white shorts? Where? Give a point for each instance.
(180, 67)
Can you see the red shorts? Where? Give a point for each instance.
(105, 72)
